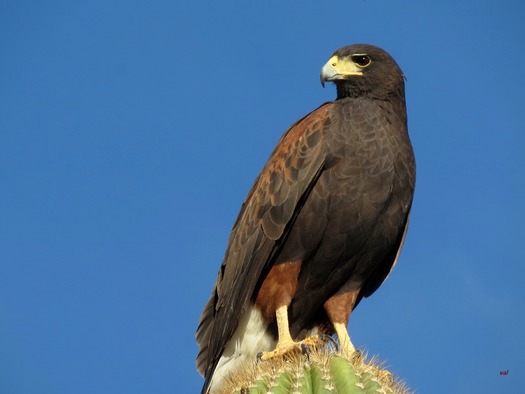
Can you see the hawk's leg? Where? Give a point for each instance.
(273, 299)
(338, 308)
(345, 344)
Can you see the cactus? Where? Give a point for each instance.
(321, 371)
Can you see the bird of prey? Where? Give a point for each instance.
(322, 225)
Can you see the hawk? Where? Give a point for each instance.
(322, 225)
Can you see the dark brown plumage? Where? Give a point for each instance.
(324, 222)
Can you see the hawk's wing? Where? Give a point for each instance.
(260, 231)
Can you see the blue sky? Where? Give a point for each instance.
(131, 131)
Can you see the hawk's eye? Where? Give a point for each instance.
(362, 60)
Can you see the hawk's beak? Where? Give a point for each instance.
(328, 72)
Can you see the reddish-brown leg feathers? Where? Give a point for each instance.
(278, 288)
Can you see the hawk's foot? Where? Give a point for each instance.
(287, 348)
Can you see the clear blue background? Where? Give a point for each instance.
(131, 131)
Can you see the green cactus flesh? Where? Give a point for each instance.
(321, 372)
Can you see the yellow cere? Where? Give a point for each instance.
(344, 66)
